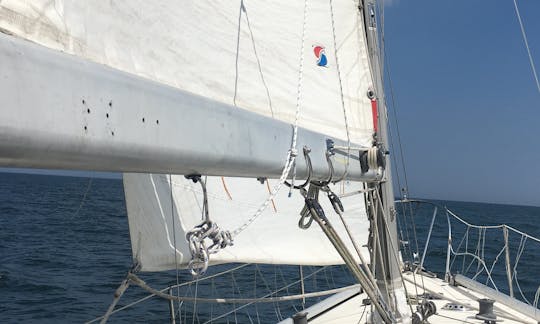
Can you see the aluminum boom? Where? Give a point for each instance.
(62, 112)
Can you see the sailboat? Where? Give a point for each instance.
(247, 132)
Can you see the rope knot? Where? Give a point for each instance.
(198, 238)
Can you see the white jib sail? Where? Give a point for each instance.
(245, 53)
(274, 238)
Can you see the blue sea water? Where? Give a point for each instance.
(64, 249)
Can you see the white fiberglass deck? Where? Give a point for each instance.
(353, 311)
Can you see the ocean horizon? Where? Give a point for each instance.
(64, 249)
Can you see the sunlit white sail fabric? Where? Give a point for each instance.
(274, 238)
(244, 53)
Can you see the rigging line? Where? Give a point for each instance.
(392, 248)
(476, 251)
(280, 317)
(194, 303)
(209, 277)
(174, 240)
(302, 289)
(325, 279)
(247, 301)
(466, 236)
(243, 6)
(266, 285)
(341, 93)
(481, 264)
(237, 53)
(380, 8)
(76, 213)
(527, 46)
(293, 152)
(255, 294)
(493, 226)
(398, 133)
(269, 294)
(397, 162)
(378, 248)
(233, 285)
(407, 244)
(285, 282)
(357, 248)
(503, 249)
(536, 297)
(459, 247)
(362, 316)
(521, 248)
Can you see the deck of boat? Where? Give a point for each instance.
(349, 306)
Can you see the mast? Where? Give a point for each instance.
(387, 270)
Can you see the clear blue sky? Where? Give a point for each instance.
(467, 102)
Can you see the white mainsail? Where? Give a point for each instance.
(237, 52)
(245, 53)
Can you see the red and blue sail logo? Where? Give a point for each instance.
(320, 54)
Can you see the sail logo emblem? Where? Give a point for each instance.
(320, 54)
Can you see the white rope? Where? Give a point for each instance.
(480, 257)
(536, 297)
(481, 263)
(503, 249)
(293, 152)
(521, 248)
(527, 46)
